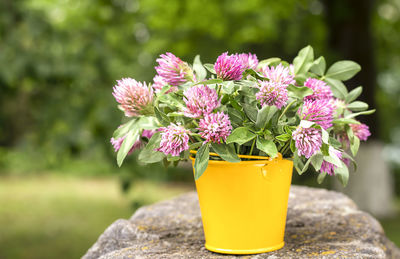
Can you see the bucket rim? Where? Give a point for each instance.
(257, 159)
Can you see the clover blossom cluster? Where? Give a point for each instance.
(173, 70)
(134, 97)
(215, 127)
(243, 107)
(320, 88)
(174, 140)
(319, 111)
(229, 67)
(307, 140)
(273, 92)
(200, 100)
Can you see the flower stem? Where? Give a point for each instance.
(285, 148)
(252, 147)
(219, 90)
(286, 109)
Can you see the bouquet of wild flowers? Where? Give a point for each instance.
(240, 106)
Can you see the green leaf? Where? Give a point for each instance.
(354, 145)
(161, 117)
(339, 90)
(254, 74)
(358, 106)
(124, 129)
(306, 124)
(334, 142)
(307, 164)
(209, 82)
(234, 103)
(354, 94)
(303, 61)
(268, 62)
(299, 91)
(325, 149)
(172, 101)
(345, 121)
(325, 136)
(201, 161)
(210, 67)
(301, 79)
(267, 146)
(171, 158)
(250, 111)
(201, 72)
(240, 135)
(345, 155)
(292, 146)
(148, 123)
(316, 161)
(284, 137)
(235, 116)
(352, 115)
(342, 174)
(195, 146)
(343, 70)
(321, 177)
(297, 162)
(350, 133)
(226, 152)
(319, 65)
(333, 159)
(130, 139)
(175, 114)
(148, 154)
(264, 115)
(228, 87)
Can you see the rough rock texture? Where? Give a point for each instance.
(320, 223)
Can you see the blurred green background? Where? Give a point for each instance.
(59, 183)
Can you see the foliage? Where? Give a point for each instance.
(55, 216)
(180, 110)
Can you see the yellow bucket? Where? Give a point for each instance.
(244, 205)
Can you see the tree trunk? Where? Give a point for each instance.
(350, 37)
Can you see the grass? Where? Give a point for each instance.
(392, 226)
(53, 216)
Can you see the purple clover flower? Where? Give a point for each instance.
(248, 61)
(361, 131)
(279, 74)
(308, 141)
(272, 93)
(135, 98)
(215, 127)
(174, 140)
(318, 111)
(159, 83)
(228, 67)
(320, 88)
(200, 100)
(173, 70)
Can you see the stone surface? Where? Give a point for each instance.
(320, 223)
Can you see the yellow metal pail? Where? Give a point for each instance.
(244, 205)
